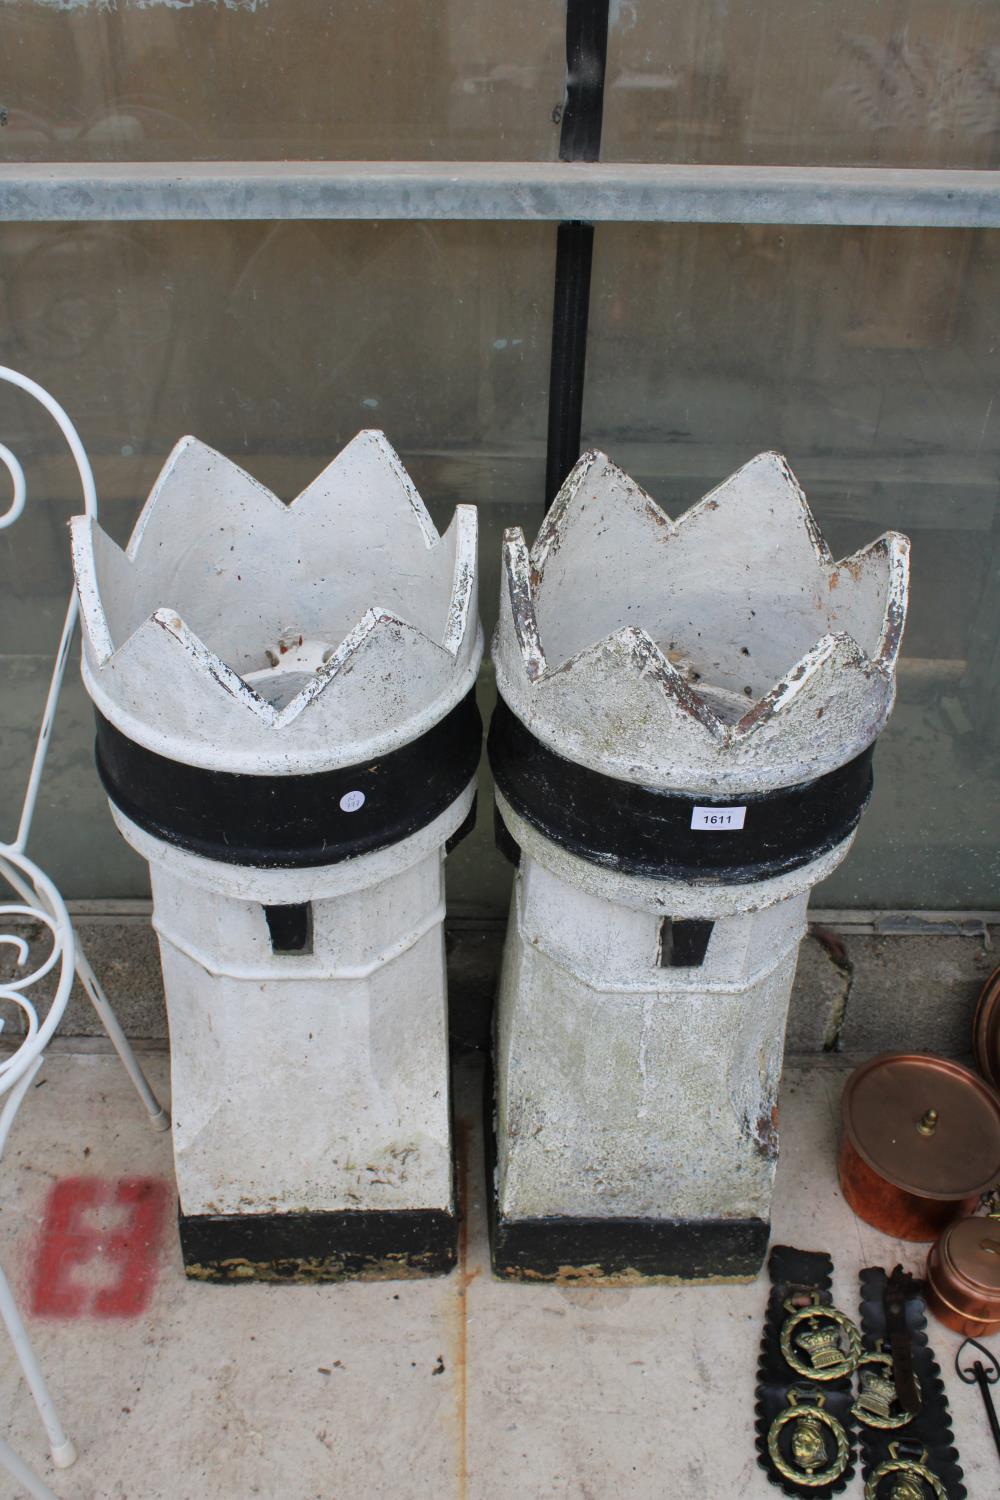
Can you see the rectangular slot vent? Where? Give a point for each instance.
(683, 942)
(291, 927)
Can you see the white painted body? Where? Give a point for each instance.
(625, 1089)
(719, 655)
(240, 634)
(308, 1082)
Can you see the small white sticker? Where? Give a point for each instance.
(351, 801)
(718, 819)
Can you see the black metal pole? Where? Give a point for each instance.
(580, 140)
(570, 311)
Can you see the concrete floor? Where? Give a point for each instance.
(463, 1387)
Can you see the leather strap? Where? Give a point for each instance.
(900, 1340)
(893, 1326)
(794, 1409)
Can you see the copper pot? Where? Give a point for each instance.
(963, 1277)
(920, 1143)
(986, 1030)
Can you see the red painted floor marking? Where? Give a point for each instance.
(98, 1249)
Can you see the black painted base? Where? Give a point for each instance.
(627, 1251)
(374, 1246)
(623, 1252)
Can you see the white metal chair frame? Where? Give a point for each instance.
(41, 903)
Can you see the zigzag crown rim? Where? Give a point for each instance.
(95, 552)
(189, 449)
(712, 501)
(524, 583)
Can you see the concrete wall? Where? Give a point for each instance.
(859, 989)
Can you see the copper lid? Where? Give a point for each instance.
(970, 1255)
(925, 1124)
(986, 1030)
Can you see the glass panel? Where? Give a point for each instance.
(274, 343)
(907, 83)
(360, 79)
(869, 358)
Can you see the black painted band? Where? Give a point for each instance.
(293, 821)
(639, 830)
(566, 1249)
(365, 1243)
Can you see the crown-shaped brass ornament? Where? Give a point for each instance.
(822, 1346)
(876, 1394)
(819, 1342)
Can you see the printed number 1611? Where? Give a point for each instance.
(718, 819)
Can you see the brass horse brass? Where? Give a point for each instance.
(912, 1479)
(809, 1463)
(877, 1393)
(822, 1354)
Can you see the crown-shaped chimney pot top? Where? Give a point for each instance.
(723, 651)
(240, 633)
